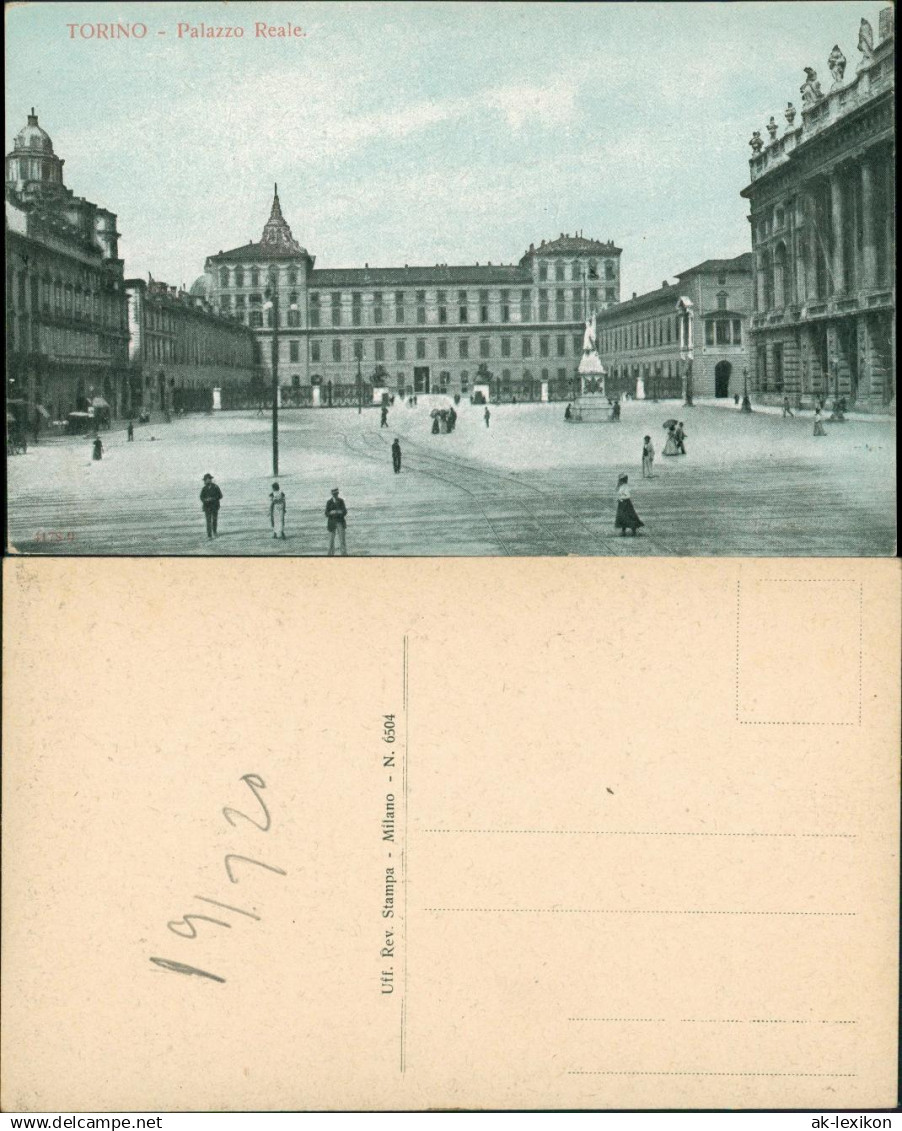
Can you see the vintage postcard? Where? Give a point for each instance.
(450, 835)
(442, 281)
(438, 279)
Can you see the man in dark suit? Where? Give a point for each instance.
(209, 496)
(396, 455)
(336, 512)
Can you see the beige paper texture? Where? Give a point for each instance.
(642, 820)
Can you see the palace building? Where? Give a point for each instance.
(512, 327)
(821, 202)
(66, 331)
(647, 352)
(181, 349)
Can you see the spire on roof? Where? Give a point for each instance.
(276, 232)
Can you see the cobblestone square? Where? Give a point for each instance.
(529, 484)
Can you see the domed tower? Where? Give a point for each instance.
(32, 166)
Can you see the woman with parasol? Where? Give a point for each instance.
(671, 448)
(626, 516)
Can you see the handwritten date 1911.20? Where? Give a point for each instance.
(185, 927)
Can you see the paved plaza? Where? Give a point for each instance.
(530, 484)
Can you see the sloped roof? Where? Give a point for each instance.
(738, 263)
(670, 294)
(258, 251)
(568, 244)
(426, 276)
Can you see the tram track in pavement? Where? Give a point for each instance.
(554, 535)
(573, 519)
(367, 453)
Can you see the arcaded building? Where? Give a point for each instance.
(821, 202)
(181, 349)
(441, 328)
(647, 352)
(66, 334)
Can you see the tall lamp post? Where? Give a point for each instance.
(834, 360)
(746, 402)
(272, 294)
(359, 389)
(684, 306)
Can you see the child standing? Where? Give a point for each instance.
(277, 511)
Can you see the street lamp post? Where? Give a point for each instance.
(359, 389)
(835, 361)
(272, 293)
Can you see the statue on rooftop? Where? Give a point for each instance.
(756, 143)
(772, 128)
(810, 90)
(837, 64)
(865, 44)
(790, 115)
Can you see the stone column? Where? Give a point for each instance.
(837, 220)
(869, 241)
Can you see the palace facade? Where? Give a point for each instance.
(415, 329)
(821, 201)
(66, 330)
(181, 349)
(647, 351)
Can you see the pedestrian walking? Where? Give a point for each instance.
(568, 412)
(396, 456)
(452, 419)
(336, 513)
(787, 411)
(384, 422)
(671, 448)
(98, 448)
(648, 458)
(210, 496)
(130, 433)
(679, 435)
(277, 511)
(486, 416)
(626, 517)
(819, 429)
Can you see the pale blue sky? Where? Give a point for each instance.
(422, 132)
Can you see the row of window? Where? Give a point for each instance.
(442, 379)
(565, 307)
(546, 346)
(52, 296)
(24, 334)
(574, 270)
(652, 332)
(561, 272)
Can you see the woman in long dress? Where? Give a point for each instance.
(819, 422)
(671, 448)
(626, 517)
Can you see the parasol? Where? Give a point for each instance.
(670, 423)
(99, 402)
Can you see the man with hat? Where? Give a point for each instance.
(209, 497)
(335, 521)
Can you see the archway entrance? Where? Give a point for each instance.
(722, 372)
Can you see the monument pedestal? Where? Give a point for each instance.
(591, 406)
